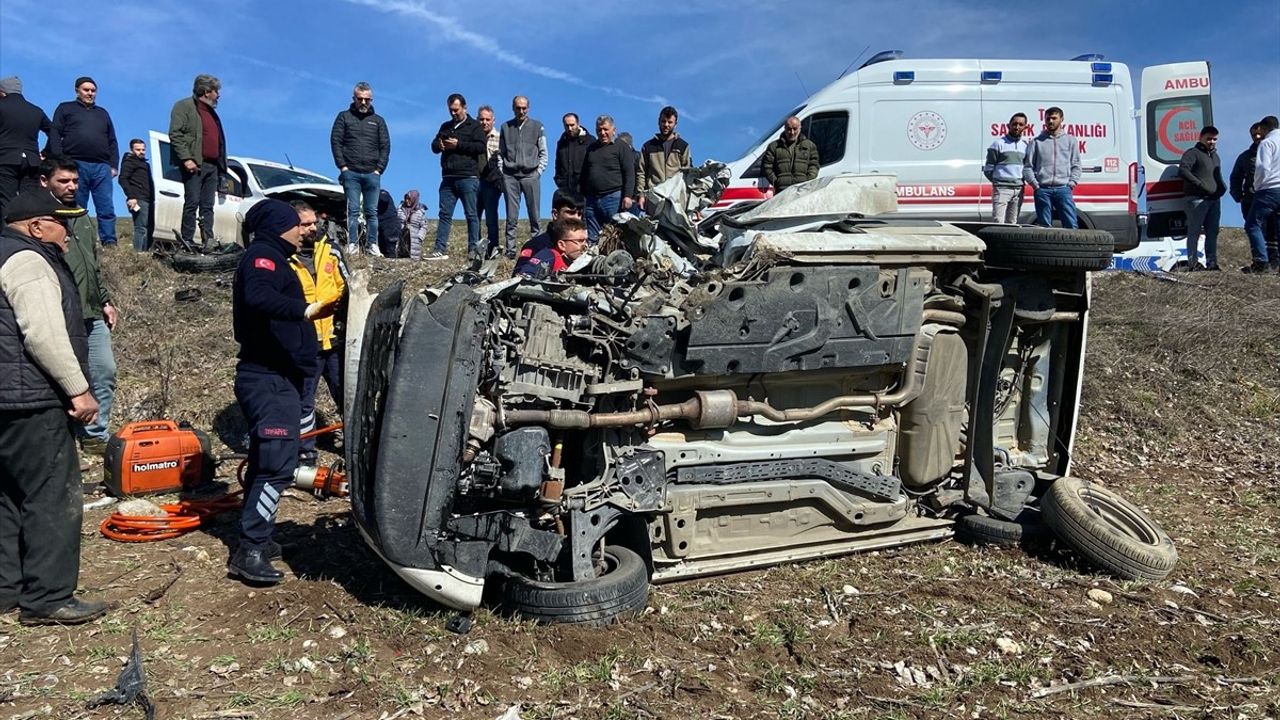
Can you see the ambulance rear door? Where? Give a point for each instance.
(1175, 107)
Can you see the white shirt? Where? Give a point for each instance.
(1266, 174)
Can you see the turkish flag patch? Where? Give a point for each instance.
(265, 264)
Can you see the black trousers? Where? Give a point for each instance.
(41, 506)
(272, 404)
(15, 179)
(199, 190)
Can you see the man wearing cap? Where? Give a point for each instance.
(43, 389)
(273, 323)
(82, 131)
(21, 123)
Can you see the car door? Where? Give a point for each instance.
(168, 181)
(1176, 105)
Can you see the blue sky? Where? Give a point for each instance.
(733, 67)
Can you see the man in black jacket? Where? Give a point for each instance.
(1202, 183)
(460, 142)
(82, 131)
(608, 177)
(21, 123)
(1241, 188)
(361, 148)
(571, 151)
(275, 327)
(139, 192)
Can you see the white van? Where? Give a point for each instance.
(931, 121)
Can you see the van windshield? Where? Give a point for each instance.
(773, 132)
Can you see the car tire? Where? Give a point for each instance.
(1109, 531)
(184, 262)
(984, 530)
(622, 590)
(1041, 248)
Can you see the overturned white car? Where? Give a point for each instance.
(814, 378)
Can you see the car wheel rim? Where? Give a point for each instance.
(1123, 519)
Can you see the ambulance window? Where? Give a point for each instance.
(830, 132)
(1173, 126)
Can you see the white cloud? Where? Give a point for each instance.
(455, 32)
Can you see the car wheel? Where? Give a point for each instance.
(975, 529)
(1040, 248)
(621, 589)
(1108, 530)
(195, 263)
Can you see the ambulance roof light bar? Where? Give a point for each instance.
(882, 56)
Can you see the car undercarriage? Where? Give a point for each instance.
(804, 378)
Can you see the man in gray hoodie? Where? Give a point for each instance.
(1202, 183)
(1053, 169)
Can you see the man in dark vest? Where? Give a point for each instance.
(44, 370)
(278, 351)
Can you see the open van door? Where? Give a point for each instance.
(1175, 107)
(167, 210)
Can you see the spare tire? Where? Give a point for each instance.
(1040, 248)
(621, 589)
(185, 262)
(976, 529)
(1108, 530)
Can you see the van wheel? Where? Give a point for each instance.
(980, 530)
(1108, 530)
(621, 589)
(1040, 248)
(184, 262)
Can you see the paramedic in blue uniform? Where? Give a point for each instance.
(278, 351)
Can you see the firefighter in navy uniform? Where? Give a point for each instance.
(275, 327)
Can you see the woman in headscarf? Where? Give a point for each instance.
(413, 216)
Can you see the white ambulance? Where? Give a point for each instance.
(931, 121)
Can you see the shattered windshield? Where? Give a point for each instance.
(272, 177)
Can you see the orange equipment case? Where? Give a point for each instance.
(157, 456)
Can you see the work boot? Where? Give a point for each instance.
(72, 612)
(272, 550)
(1254, 268)
(253, 565)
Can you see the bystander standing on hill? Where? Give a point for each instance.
(21, 123)
(460, 142)
(413, 220)
(491, 183)
(791, 159)
(1266, 196)
(1241, 189)
(1053, 171)
(45, 354)
(1203, 186)
(139, 192)
(198, 148)
(522, 156)
(608, 177)
(361, 148)
(571, 151)
(662, 155)
(82, 131)
(1005, 161)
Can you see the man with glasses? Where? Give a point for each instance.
(565, 204)
(568, 241)
(791, 159)
(198, 148)
(1003, 168)
(361, 148)
(45, 355)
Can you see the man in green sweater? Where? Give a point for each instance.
(60, 176)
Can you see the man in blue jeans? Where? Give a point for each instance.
(460, 143)
(82, 131)
(59, 177)
(1266, 196)
(361, 148)
(1052, 169)
(608, 178)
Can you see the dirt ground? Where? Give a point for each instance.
(1180, 413)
